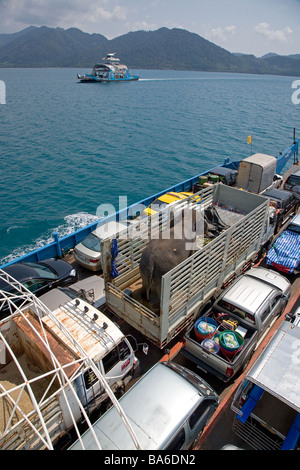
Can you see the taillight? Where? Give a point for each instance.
(243, 399)
(93, 260)
(229, 372)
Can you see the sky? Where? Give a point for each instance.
(246, 26)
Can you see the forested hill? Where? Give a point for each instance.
(175, 49)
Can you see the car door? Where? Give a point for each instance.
(92, 387)
(198, 419)
(272, 308)
(37, 286)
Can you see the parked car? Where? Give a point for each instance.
(38, 277)
(285, 204)
(167, 409)
(224, 337)
(285, 253)
(163, 201)
(292, 182)
(88, 252)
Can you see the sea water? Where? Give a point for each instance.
(67, 148)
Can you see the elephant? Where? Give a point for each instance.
(161, 255)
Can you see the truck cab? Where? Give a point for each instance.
(102, 340)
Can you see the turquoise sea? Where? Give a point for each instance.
(67, 147)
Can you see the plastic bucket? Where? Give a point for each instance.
(230, 342)
(205, 328)
(214, 178)
(202, 179)
(210, 345)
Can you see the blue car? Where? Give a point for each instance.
(285, 253)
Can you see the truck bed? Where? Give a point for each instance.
(192, 283)
(221, 327)
(218, 363)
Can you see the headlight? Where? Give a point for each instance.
(73, 272)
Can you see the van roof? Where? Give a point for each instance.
(95, 336)
(277, 369)
(155, 407)
(260, 159)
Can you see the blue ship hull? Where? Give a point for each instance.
(62, 245)
(94, 79)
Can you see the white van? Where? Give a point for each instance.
(167, 409)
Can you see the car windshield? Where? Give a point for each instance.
(158, 205)
(42, 270)
(294, 228)
(293, 180)
(92, 242)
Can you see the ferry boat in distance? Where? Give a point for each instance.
(109, 71)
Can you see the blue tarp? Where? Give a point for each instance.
(285, 253)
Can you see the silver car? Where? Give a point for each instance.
(88, 252)
(167, 409)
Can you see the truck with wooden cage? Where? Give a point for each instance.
(192, 283)
(69, 360)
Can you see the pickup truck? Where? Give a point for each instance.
(285, 203)
(192, 283)
(247, 307)
(267, 404)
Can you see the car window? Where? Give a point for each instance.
(158, 205)
(177, 442)
(294, 228)
(265, 313)
(198, 412)
(89, 378)
(118, 353)
(92, 242)
(293, 180)
(42, 271)
(275, 301)
(35, 284)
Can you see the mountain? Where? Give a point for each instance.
(175, 49)
(47, 47)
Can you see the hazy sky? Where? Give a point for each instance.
(249, 26)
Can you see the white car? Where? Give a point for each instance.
(88, 252)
